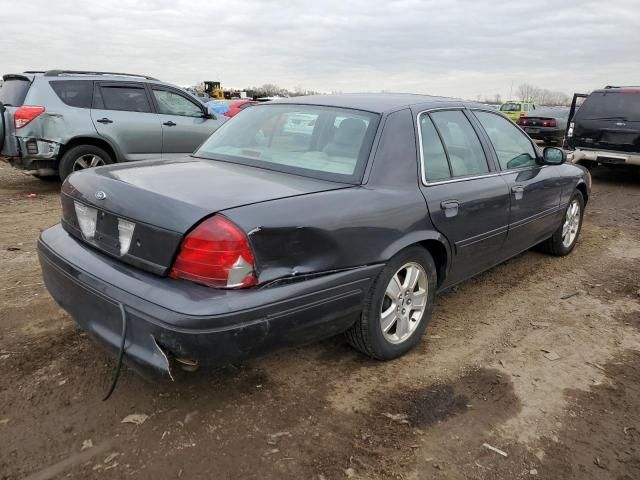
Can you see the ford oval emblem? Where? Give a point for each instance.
(100, 195)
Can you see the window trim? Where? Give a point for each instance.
(154, 86)
(493, 149)
(493, 171)
(99, 85)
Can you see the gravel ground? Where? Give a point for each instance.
(480, 376)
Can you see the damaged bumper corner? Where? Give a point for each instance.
(35, 155)
(177, 324)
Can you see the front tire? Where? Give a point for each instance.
(398, 306)
(564, 239)
(81, 158)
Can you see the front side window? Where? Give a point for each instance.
(513, 148)
(466, 156)
(434, 157)
(125, 98)
(170, 103)
(323, 142)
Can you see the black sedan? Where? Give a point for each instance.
(302, 219)
(549, 124)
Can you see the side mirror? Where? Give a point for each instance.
(553, 156)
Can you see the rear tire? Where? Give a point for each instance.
(82, 157)
(395, 297)
(564, 239)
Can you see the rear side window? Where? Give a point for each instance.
(75, 93)
(615, 105)
(14, 91)
(434, 157)
(466, 156)
(126, 98)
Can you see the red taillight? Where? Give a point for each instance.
(25, 114)
(217, 254)
(549, 123)
(522, 121)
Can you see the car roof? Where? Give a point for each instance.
(377, 102)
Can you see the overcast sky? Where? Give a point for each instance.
(459, 48)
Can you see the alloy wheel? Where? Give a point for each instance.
(571, 224)
(88, 160)
(404, 303)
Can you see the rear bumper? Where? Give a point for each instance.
(606, 157)
(171, 318)
(35, 155)
(545, 134)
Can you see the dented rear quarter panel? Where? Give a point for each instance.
(350, 227)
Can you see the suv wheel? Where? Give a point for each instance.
(82, 157)
(398, 306)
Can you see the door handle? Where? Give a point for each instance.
(105, 120)
(518, 191)
(450, 208)
(170, 124)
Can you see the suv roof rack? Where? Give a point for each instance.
(57, 73)
(33, 71)
(622, 86)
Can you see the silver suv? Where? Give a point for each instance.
(53, 123)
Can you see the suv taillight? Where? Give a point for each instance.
(25, 114)
(216, 253)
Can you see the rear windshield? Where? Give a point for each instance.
(14, 91)
(510, 107)
(321, 142)
(75, 93)
(616, 105)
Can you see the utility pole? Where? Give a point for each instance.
(511, 91)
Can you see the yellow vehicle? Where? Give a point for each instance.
(214, 90)
(515, 109)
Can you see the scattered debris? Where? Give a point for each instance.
(4, 421)
(274, 438)
(111, 457)
(32, 195)
(565, 297)
(86, 444)
(435, 337)
(550, 355)
(540, 324)
(62, 382)
(502, 362)
(13, 249)
(494, 449)
(113, 465)
(599, 367)
(136, 418)
(349, 472)
(599, 463)
(533, 471)
(397, 417)
(626, 430)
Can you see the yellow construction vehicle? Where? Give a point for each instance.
(214, 90)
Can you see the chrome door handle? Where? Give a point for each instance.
(518, 191)
(450, 208)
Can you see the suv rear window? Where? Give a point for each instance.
(615, 105)
(14, 91)
(75, 93)
(510, 107)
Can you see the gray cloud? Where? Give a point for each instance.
(459, 48)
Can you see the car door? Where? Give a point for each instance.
(185, 122)
(535, 190)
(122, 113)
(468, 200)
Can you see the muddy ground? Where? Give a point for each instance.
(480, 376)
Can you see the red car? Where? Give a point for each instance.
(236, 107)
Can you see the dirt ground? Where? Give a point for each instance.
(480, 376)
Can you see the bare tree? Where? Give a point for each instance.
(542, 96)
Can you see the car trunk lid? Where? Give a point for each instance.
(157, 202)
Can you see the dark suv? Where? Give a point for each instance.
(59, 121)
(606, 128)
